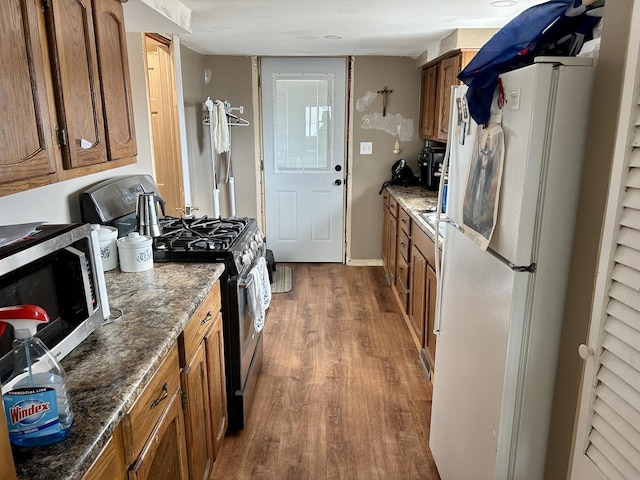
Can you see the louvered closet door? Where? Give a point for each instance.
(608, 435)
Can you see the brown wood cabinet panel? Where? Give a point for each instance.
(110, 464)
(428, 101)
(438, 76)
(402, 273)
(204, 384)
(195, 385)
(393, 207)
(404, 222)
(418, 292)
(403, 294)
(199, 324)
(144, 415)
(404, 244)
(447, 76)
(429, 338)
(28, 151)
(114, 78)
(214, 344)
(385, 234)
(423, 242)
(6, 457)
(77, 85)
(164, 455)
(392, 241)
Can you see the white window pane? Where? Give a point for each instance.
(302, 124)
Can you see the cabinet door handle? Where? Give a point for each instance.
(206, 319)
(165, 394)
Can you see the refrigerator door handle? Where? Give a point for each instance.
(451, 222)
(531, 268)
(523, 268)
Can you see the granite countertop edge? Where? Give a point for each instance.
(414, 200)
(107, 371)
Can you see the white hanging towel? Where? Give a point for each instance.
(221, 136)
(258, 293)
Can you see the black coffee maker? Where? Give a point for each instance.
(429, 165)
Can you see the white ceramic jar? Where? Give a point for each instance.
(135, 253)
(108, 249)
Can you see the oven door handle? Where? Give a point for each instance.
(247, 282)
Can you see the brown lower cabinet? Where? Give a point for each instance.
(175, 428)
(423, 293)
(204, 386)
(110, 465)
(164, 455)
(389, 235)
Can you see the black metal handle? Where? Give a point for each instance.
(165, 394)
(206, 319)
(337, 183)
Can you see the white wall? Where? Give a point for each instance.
(59, 203)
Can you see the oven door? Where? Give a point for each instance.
(249, 337)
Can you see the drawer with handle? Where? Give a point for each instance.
(404, 221)
(199, 324)
(139, 421)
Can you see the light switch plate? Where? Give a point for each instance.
(366, 148)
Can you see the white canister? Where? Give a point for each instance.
(135, 252)
(108, 249)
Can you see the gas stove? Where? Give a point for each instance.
(236, 241)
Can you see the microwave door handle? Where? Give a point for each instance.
(86, 279)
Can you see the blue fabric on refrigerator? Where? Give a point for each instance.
(545, 29)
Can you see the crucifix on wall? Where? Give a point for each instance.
(385, 95)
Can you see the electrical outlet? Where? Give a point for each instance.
(366, 148)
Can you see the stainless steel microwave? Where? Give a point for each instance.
(59, 269)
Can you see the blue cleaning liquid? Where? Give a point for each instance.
(37, 405)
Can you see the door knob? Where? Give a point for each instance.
(585, 351)
(337, 183)
(338, 168)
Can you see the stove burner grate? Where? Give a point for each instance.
(204, 233)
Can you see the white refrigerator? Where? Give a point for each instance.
(499, 311)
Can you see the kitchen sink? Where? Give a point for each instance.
(430, 218)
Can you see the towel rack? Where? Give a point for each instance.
(233, 120)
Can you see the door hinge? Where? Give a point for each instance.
(62, 136)
(184, 400)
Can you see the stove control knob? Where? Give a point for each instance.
(254, 246)
(246, 257)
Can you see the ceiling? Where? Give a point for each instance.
(302, 27)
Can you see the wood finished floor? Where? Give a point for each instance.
(342, 393)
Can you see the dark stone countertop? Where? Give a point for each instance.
(107, 372)
(414, 200)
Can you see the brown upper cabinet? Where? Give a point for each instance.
(65, 82)
(437, 78)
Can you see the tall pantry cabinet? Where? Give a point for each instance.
(66, 91)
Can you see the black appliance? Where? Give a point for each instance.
(238, 243)
(113, 201)
(429, 164)
(56, 268)
(401, 174)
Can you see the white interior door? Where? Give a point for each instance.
(303, 109)
(607, 441)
